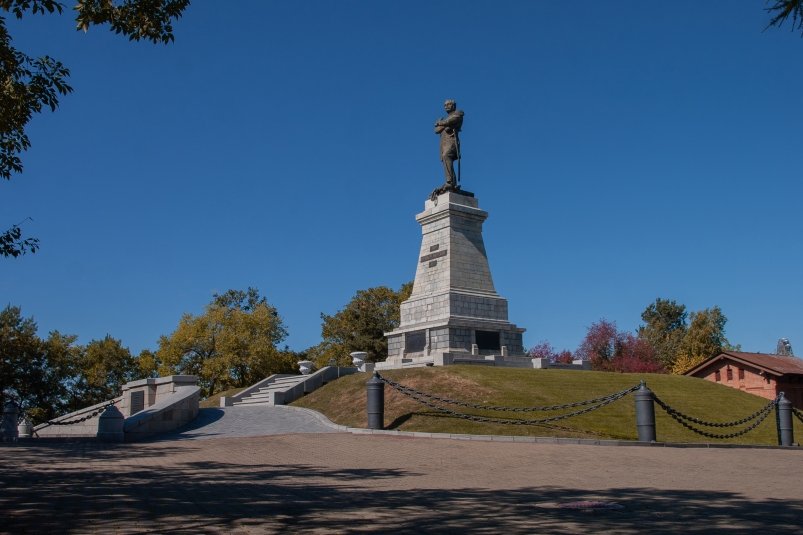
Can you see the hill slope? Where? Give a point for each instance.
(344, 400)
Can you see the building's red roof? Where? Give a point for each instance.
(775, 364)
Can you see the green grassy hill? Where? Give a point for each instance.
(344, 400)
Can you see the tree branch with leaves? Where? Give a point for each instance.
(29, 85)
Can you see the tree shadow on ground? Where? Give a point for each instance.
(44, 452)
(206, 497)
(206, 416)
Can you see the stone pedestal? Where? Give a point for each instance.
(454, 313)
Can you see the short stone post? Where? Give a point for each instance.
(645, 414)
(9, 425)
(25, 428)
(786, 432)
(376, 402)
(110, 425)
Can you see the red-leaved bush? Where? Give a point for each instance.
(611, 350)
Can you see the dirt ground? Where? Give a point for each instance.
(344, 483)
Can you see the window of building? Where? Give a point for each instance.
(729, 371)
(717, 376)
(741, 374)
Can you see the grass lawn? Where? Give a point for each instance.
(343, 401)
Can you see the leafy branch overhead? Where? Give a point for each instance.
(783, 10)
(29, 85)
(12, 243)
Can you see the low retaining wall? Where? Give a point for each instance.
(172, 412)
(86, 428)
(149, 406)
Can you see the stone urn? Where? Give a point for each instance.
(358, 358)
(305, 366)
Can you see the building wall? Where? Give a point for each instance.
(752, 381)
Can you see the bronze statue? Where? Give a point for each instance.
(449, 129)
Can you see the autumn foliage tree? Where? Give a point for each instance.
(705, 338)
(234, 343)
(609, 349)
(545, 350)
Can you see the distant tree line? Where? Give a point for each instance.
(54, 375)
(232, 344)
(669, 341)
(236, 341)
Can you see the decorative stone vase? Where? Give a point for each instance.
(358, 358)
(305, 366)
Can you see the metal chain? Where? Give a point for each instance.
(84, 418)
(797, 413)
(426, 401)
(697, 421)
(468, 405)
(678, 418)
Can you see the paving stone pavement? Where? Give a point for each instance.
(252, 421)
(347, 483)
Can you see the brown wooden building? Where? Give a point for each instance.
(756, 373)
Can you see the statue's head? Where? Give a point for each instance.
(450, 105)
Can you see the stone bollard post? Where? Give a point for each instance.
(645, 414)
(376, 402)
(25, 428)
(786, 432)
(110, 425)
(9, 424)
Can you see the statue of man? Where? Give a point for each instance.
(449, 129)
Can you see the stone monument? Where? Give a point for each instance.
(454, 314)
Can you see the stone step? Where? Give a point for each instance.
(263, 395)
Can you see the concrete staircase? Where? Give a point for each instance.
(282, 388)
(273, 391)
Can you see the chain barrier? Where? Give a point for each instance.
(798, 413)
(84, 418)
(684, 420)
(697, 421)
(427, 399)
(496, 408)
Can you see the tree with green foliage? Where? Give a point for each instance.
(360, 326)
(664, 329)
(148, 364)
(705, 338)
(104, 366)
(38, 374)
(232, 344)
(29, 85)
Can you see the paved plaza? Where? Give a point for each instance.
(334, 482)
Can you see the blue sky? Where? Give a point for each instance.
(625, 150)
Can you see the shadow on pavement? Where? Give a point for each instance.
(205, 497)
